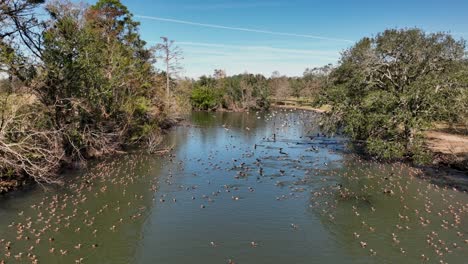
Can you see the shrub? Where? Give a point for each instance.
(204, 98)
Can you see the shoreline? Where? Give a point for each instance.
(23, 182)
(307, 108)
(445, 170)
(444, 174)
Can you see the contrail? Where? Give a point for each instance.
(263, 48)
(242, 29)
(232, 5)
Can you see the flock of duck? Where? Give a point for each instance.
(381, 209)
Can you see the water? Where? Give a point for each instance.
(229, 193)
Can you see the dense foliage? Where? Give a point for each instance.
(90, 81)
(205, 98)
(389, 88)
(236, 93)
(249, 91)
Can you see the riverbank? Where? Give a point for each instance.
(449, 150)
(450, 158)
(297, 103)
(19, 181)
(304, 107)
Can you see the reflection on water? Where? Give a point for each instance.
(245, 187)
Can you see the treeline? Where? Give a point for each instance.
(78, 83)
(250, 91)
(387, 90)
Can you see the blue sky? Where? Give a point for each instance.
(284, 35)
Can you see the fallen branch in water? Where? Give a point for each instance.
(162, 151)
(27, 147)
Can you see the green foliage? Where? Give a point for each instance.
(142, 105)
(205, 98)
(389, 88)
(181, 103)
(238, 92)
(385, 149)
(94, 85)
(309, 85)
(420, 154)
(114, 94)
(254, 91)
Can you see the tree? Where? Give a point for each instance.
(391, 87)
(297, 86)
(19, 37)
(205, 98)
(219, 74)
(98, 102)
(27, 145)
(314, 80)
(280, 86)
(171, 56)
(74, 103)
(238, 92)
(19, 24)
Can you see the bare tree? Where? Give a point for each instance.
(25, 147)
(171, 56)
(19, 24)
(280, 86)
(219, 74)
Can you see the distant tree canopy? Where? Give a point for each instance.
(255, 91)
(387, 89)
(239, 92)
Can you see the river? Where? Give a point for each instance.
(238, 188)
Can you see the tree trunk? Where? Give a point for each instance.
(409, 135)
(167, 74)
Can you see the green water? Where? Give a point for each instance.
(228, 192)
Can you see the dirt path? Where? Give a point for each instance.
(449, 144)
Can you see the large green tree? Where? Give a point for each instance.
(389, 88)
(97, 76)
